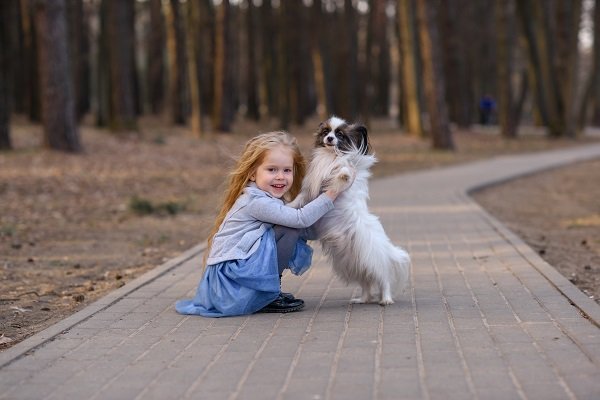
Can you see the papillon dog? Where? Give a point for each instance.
(353, 238)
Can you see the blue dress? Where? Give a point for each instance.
(240, 287)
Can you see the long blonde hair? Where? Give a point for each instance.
(252, 156)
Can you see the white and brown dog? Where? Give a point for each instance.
(352, 237)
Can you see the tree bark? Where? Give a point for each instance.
(121, 36)
(252, 98)
(5, 89)
(193, 35)
(156, 65)
(433, 75)
(596, 69)
(508, 125)
(58, 100)
(409, 75)
(223, 73)
(176, 48)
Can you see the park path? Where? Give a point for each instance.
(485, 318)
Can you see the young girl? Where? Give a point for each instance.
(256, 235)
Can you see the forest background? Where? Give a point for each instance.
(119, 118)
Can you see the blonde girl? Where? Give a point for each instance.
(256, 236)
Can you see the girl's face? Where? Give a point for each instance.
(275, 174)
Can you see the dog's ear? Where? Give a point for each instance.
(363, 138)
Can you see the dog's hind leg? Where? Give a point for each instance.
(386, 294)
(365, 296)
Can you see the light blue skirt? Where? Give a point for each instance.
(240, 287)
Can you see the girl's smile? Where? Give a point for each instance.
(275, 174)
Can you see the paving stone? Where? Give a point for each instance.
(485, 318)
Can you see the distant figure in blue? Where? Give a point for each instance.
(256, 236)
(487, 107)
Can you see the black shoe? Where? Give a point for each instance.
(287, 296)
(283, 305)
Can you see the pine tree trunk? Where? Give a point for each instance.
(503, 45)
(121, 37)
(30, 38)
(58, 100)
(103, 84)
(223, 73)
(253, 101)
(5, 89)
(176, 47)
(79, 51)
(596, 70)
(433, 75)
(156, 65)
(193, 36)
(316, 17)
(283, 69)
(534, 20)
(568, 23)
(409, 76)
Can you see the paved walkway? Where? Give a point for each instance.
(485, 318)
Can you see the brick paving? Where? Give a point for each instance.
(485, 318)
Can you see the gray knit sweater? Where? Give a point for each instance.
(252, 214)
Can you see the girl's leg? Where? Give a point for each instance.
(285, 239)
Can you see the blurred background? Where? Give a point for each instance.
(206, 65)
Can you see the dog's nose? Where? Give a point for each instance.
(329, 139)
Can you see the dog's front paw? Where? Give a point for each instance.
(344, 175)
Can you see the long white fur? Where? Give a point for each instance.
(352, 237)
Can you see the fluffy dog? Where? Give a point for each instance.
(353, 238)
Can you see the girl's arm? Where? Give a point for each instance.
(272, 211)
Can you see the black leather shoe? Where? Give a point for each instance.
(287, 296)
(283, 305)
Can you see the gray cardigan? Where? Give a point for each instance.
(253, 213)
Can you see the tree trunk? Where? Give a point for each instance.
(30, 39)
(252, 98)
(121, 37)
(458, 93)
(176, 48)
(317, 60)
(58, 100)
(433, 75)
(79, 50)
(103, 84)
(193, 42)
(156, 64)
(409, 75)
(5, 89)
(283, 69)
(535, 22)
(223, 71)
(596, 67)
(506, 115)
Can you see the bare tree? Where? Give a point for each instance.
(156, 65)
(176, 49)
(5, 49)
(58, 100)
(433, 75)
(193, 50)
(409, 58)
(223, 109)
(121, 36)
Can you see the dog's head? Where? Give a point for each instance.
(338, 135)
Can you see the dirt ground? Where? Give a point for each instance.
(558, 214)
(74, 227)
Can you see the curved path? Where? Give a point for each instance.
(485, 318)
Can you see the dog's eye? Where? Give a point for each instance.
(338, 133)
(326, 130)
